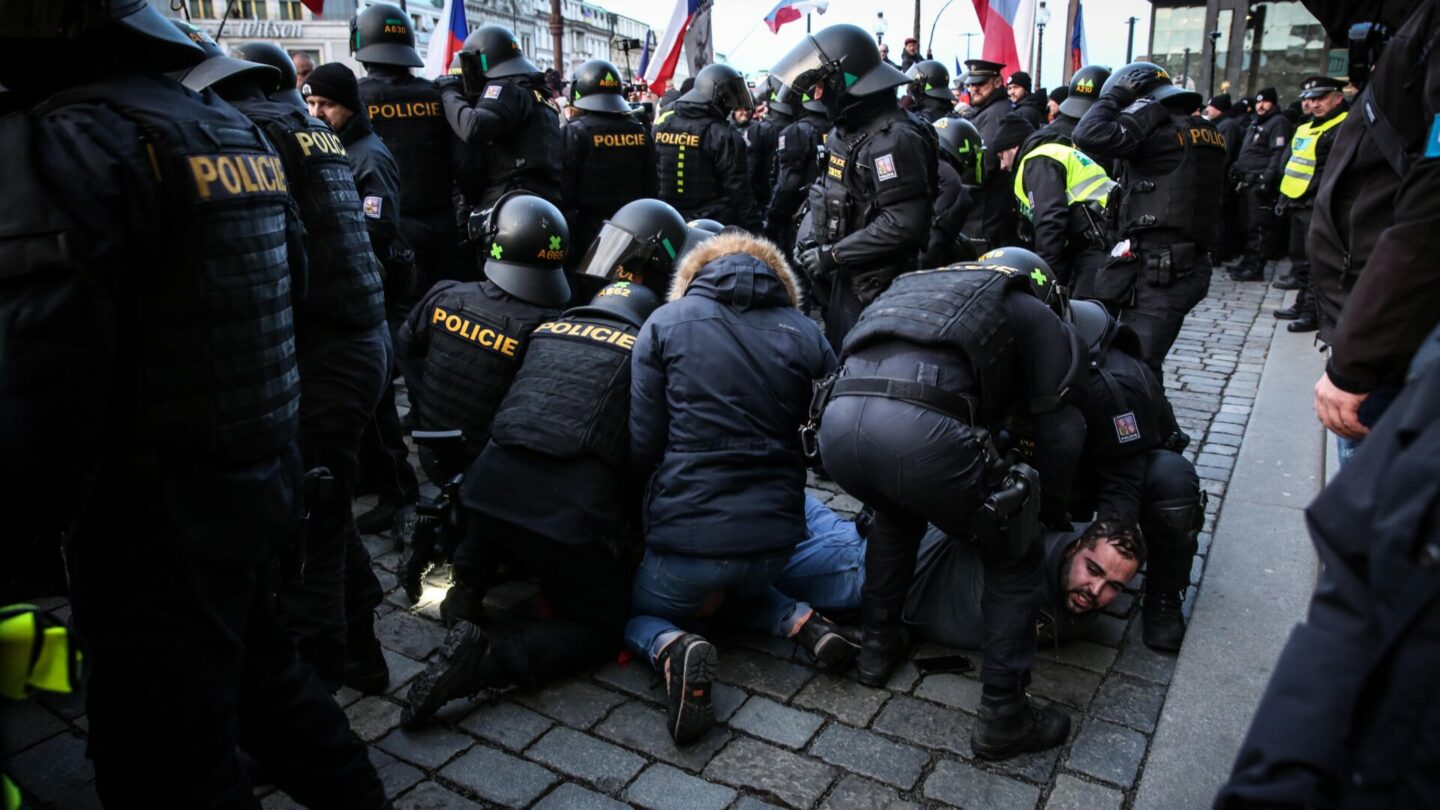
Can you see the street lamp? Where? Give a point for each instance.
(1042, 19)
(931, 42)
(1214, 41)
(881, 26)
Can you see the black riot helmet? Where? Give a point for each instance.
(640, 243)
(218, 69)
(962, 142)
(1093, 322)
(710, 226)
(722, 86)
(1085, 87)
(523, 240)
(492, 52)
(268, 53)
(1155, 84)
(930, 78)
(596, 87)
(845, 60)
(383, 35)
(1035, 270)
(773, 93)
(30, 29)
(622, 301)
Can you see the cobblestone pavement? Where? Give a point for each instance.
(788, 736)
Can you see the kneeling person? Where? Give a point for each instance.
(549, 494)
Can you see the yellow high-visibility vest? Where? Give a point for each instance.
(1300, 169)
(1085, 180)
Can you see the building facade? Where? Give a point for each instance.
(590, 31)
(1253, 45)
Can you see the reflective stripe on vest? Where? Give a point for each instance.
(1300, 169)
(1085, 180)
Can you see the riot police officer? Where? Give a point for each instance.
(760, 136)
(1132, 469)
(931, 392)
(992, 218)
(929, 91)
(551, 493)
(465, 340)
(961, 152)
(1062, 196)
(1083, 91)
(1256, 175)
(609, 157)
(343, 352)
(151, 396)
(1309, 150)
(870, 212)
(1172, 170)
(703, 167)
(406, 113)
(641, 244)
(797, 162)
(500, 108)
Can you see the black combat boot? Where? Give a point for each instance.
(1286, 282)
(462, 602)
(830, 648)
(1164, 623)
(1307, 322)
(1171, 530)
(1010, 725)
(688, 664)
(1289, 313)
(463, 667)
(1248, 272)
(883, 648)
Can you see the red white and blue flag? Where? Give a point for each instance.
(317, 7)
(791, 10)
(667, 51)
(1079, 56)
(1006, 26)
(447, 39)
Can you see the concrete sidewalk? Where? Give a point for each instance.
(1257, 585)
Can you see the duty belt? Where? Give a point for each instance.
(915, 392)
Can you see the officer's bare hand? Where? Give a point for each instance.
(1339, 411)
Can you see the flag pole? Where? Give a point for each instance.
(1067, 68)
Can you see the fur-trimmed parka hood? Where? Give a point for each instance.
(738, 269)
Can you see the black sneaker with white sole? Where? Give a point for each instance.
(688, 664)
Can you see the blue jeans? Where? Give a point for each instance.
(828, 567)
(1370, 412)
(673, 591)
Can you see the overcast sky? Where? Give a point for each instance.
(740, 32)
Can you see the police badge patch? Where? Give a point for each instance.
(1127, 429)
(885, 168)
(781, 145)
(493, 91)
(372, 207)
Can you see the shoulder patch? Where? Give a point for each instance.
(1279, 140)
(372, 207)
(493, 90)
(781, 143)
(1127, 428)
(885, 168)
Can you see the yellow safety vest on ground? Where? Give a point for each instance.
(1300, 169)
(1085, 180)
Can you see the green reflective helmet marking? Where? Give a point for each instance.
(484, 63)
(1038, 277)
(851, 78)
(496, 251)
(669, 248)
(554, 243)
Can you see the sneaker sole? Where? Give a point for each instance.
(834, 651)
(423, 699)
(696, 714)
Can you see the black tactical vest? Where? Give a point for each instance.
(689, 179)
(812, 135)
(408, 116)
(529, 157)
(960, 309)
(1186, 199)
(1123, 401)
(618, 162)
(475, 346)
(572, 395)
(344, 276)
(215, 352)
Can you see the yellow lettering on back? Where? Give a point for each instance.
(205, 173)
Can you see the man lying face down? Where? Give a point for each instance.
(1084, 571)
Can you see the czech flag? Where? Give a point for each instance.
(1006, 25)
(1078, 56)
(791, 10)
(667, 52)
(447, 39)
(317, 7)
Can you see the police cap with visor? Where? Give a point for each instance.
(383, 35)
(845, 60)
(1321, 86)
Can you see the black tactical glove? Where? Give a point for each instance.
(442, 83)
(817, 261)
(1128, 85)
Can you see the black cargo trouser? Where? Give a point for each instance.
(384, 456)
(1300, 259)
(1261, 227)
(187, 659)
(1158, 312)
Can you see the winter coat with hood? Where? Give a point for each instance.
(720, 384)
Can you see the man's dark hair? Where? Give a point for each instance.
(1123, 535)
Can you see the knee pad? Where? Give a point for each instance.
(1174, 524)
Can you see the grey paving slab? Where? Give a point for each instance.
(856, 793)
(771, 721)
(793, 779)
(373, 717)
(580, 756)
(432, 796)
(570, 796)
(643, 728)
(766, 674)
(870, 755)
(1071, 793)
(1107, 752)
(576, 703)
(842, 697)
(928, 724)
(26, 723)
(966, 786)
(506, 724)
(428, 747)
(52, 768)
(662, 787)
(499, 777)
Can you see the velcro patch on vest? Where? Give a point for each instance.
(1127, 428)
(493, 91)
(396, 110)
(232, 176)
(482, 336)
(836, 168)
(677, 138)
(373, 206)
(781, 144)
(319, 143)
(589, 331)
(885, 168)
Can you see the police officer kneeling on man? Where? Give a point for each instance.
(552, 494)
(870, 211)
(609, 157)
(941, 362)
(466, 339)
(500, 108)
(704, 170)
(1172, 171)
(343, 352)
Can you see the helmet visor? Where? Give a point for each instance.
(617, 255)
(804, 67)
